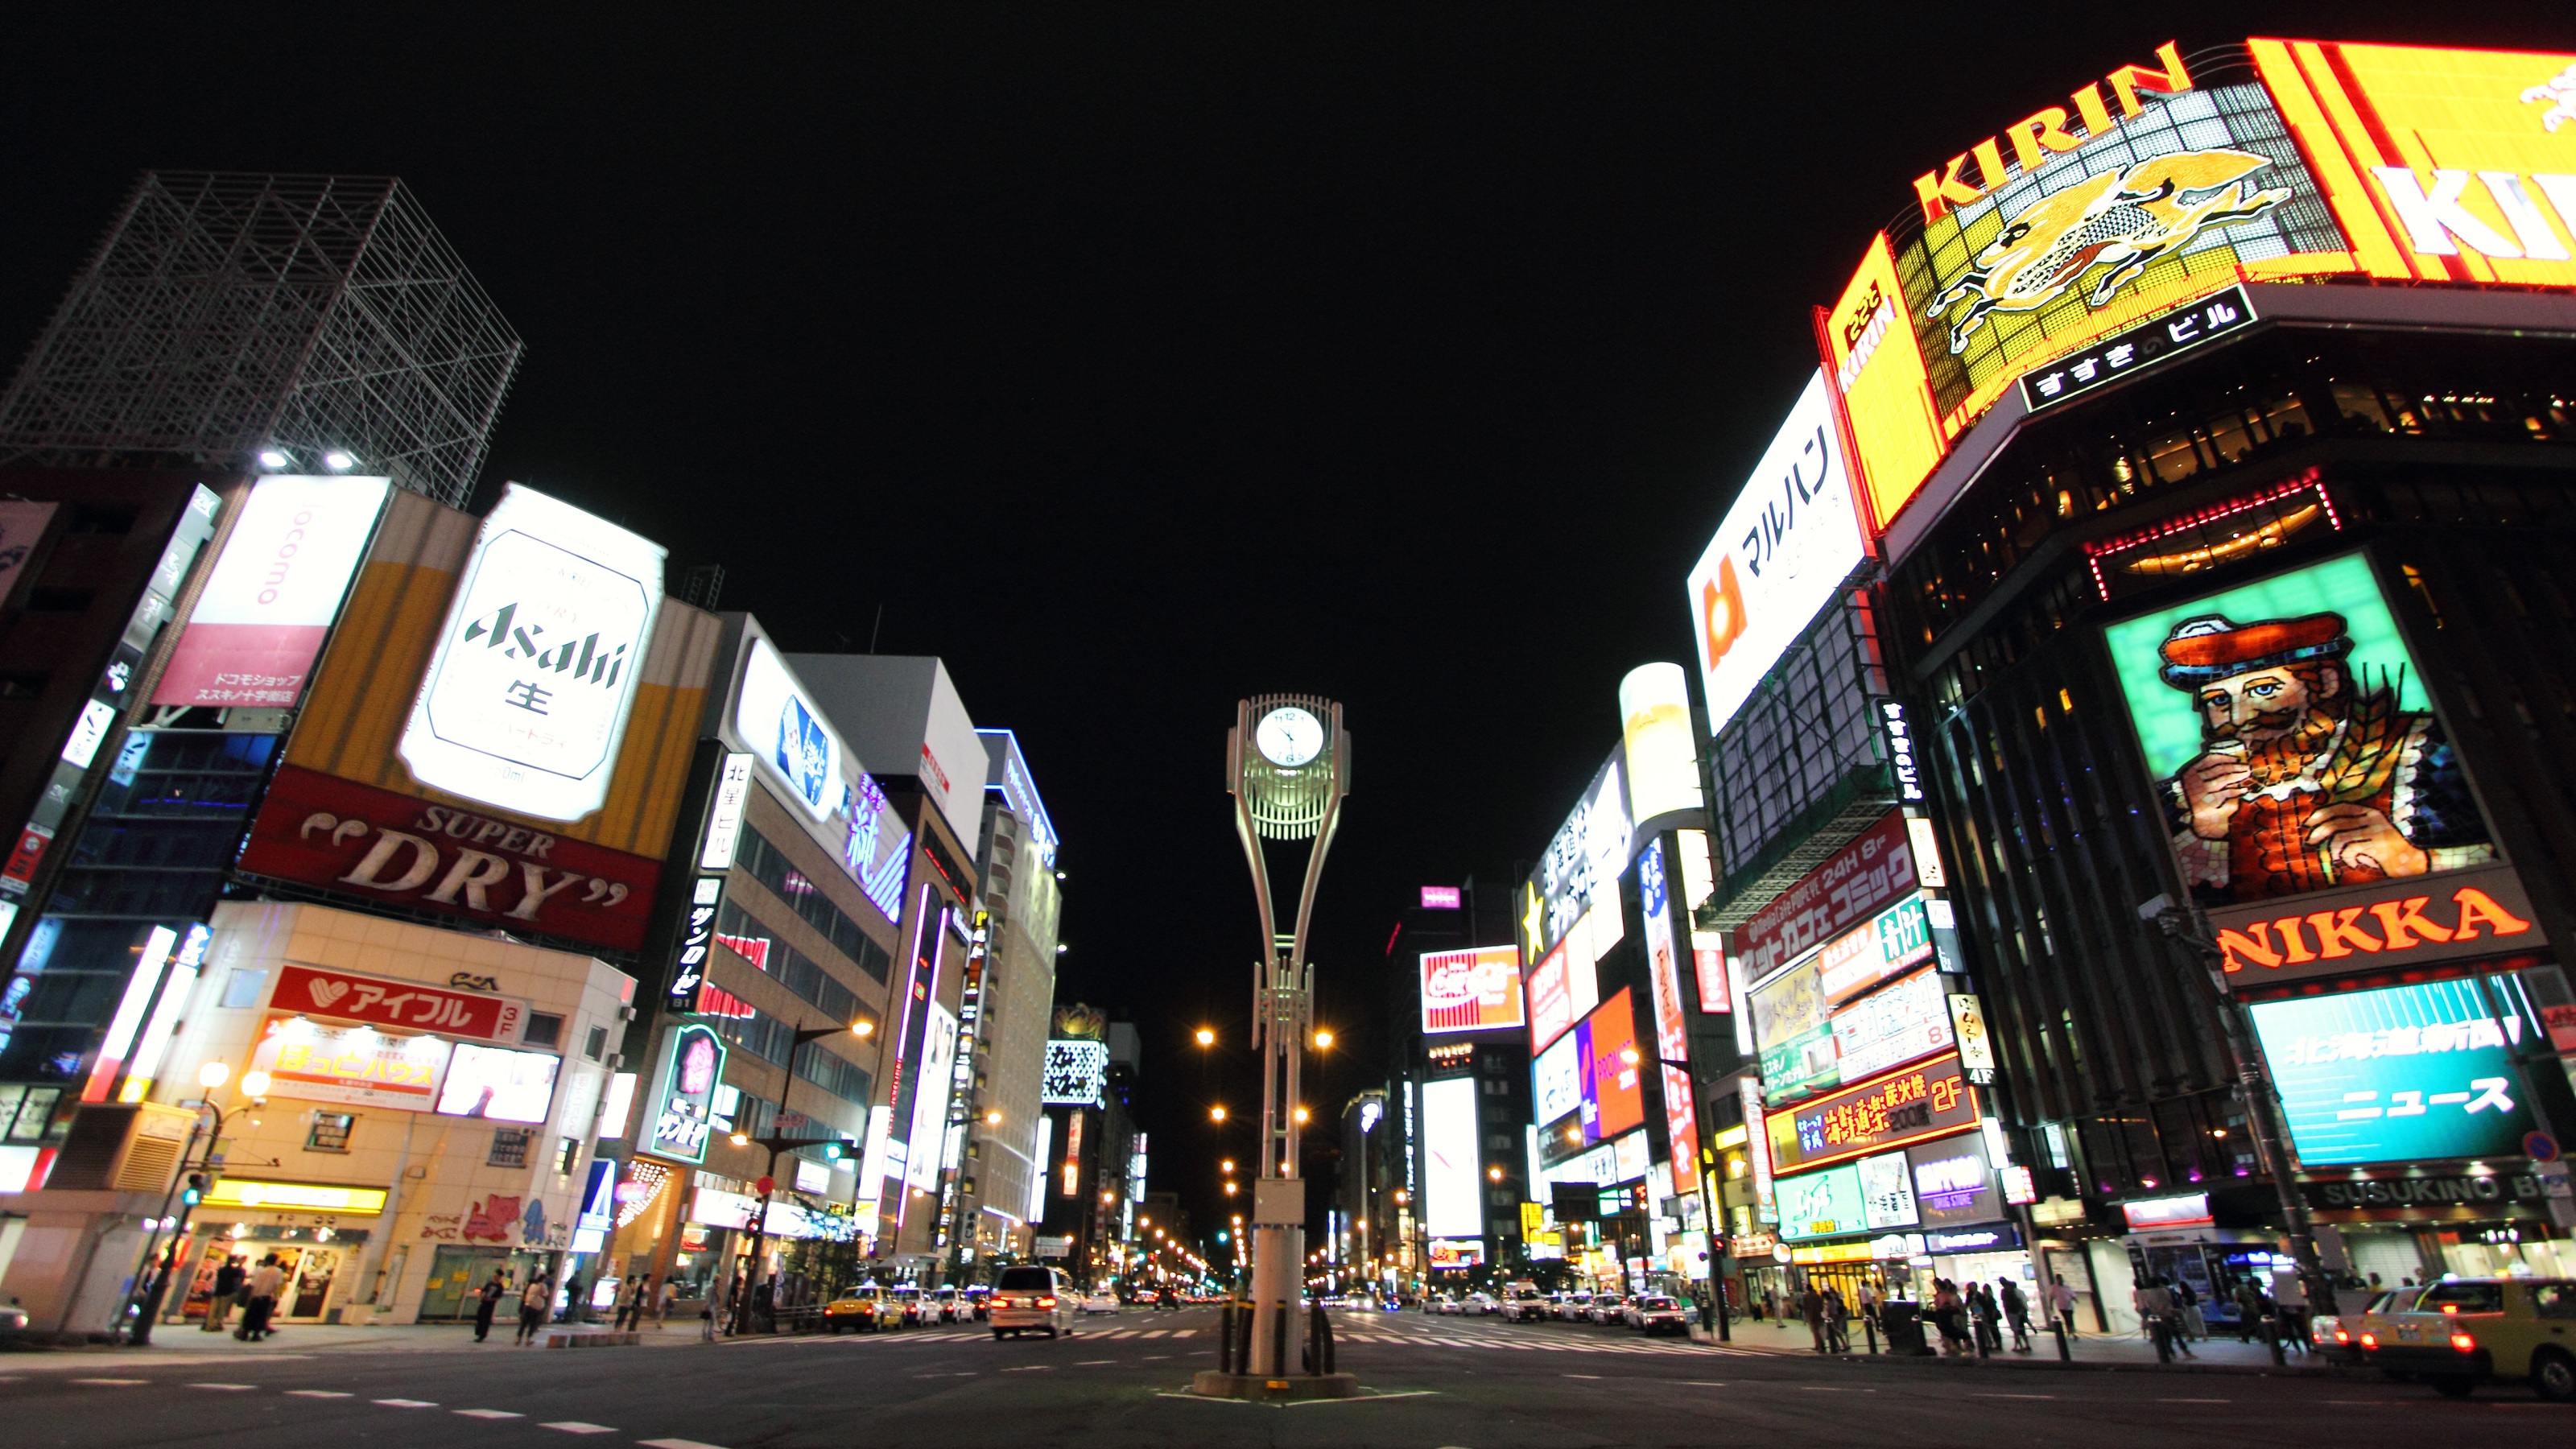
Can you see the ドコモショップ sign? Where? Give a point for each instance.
(1862, 879)
(375, 1001)
(356, 840)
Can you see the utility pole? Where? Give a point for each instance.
(777, 1145)
(1288, 768)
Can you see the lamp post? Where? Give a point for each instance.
(156, 1282)
(1707, 1208)
(778, 1145)
(1288, 769)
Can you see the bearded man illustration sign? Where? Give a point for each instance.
(2294, 745)
(2297, 754)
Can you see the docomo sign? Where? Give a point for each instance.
(1472, 990)
(528, 694)
(319, 830)
(347, 996)
(2415, 919)
(1784, 551)
(270, 599)
(785, 732)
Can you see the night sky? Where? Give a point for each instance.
(1139, 359)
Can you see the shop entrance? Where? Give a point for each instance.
(455, 1275)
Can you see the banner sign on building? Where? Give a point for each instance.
(2289, 734)
(796, 749)
(269, 601)
(1478, 989)
(1793, 1030)
(2403, 1074)
(1076, 1074)
(319, 830)
(1877, 365)
(1656, 736)
(1870, 873)
(716, 847)
(357, 1065)
(403, 1005)
(1783, 552)
(1911, 1104)
(684, 1110)
(1908, 1020)
(534, 674)
(1672, 1034)
(1894, 941)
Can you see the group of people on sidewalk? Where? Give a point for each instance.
(635, 1297)
(254, 1290)
(1970, 1319)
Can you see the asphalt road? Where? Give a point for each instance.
(1435, 1382)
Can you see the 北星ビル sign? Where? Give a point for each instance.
(1889, 1111)
(348, 996)
(320, 830)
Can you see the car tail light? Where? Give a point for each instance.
(2370, 1340)
(1046, 1303)
(2465, 1343)
(2451, 1309)
(2342, 1337)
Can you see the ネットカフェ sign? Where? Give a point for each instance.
(319, 830)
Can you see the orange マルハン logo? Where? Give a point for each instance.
(2119, 221)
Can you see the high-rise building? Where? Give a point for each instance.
(1022, 904)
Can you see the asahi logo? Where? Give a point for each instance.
(584, 660)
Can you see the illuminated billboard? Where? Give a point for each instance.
(2298, 755)
(1820, 1204)
(786, 733)
(268, 603)
(1576, 883)
(499, 1084)
(1793, 1031)
(1908, 1105)
(1472, 990)
(1452, 1188)
(1891, 943)
(1786, 547)
(1655, 733)
(534, 673)
(1672, 1038)
(355, 1065)
(2442, 165)
(1877, 366)
(2405, 1074)
(2155, 190)
(1602, 1064)
(1076, 1074)
(1889, 1028)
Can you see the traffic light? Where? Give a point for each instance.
(195, 1192)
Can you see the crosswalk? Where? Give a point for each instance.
(1539, 1343)
(962, 1335)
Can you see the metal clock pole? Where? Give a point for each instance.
(1288, 768)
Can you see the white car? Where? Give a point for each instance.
(1101, 1302)
(1525, 1306)
(1607, 1308)
(1031, 1299)
(1573, 1307)
(1653, 1313)
(1480, 1303)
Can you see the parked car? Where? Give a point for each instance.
(1483, 1304)
(2463, 1332)
(905, 1299)
(1100, 1301)
(1653, 1313)
(856, 1310)
(1574, 1308)
(1607, 1308)
(1525, 1305)
(2336, 1338)
(1032, 1299)
(980, 1297)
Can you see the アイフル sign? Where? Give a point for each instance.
(404, 1005)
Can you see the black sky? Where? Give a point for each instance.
(1137, 359)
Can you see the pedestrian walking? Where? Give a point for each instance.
(2016, 1308)
(2253, 1308)
(2061, 1305)
(1811, 1307)
(1949, 1310)
(1837, 1321)
(2187, 1303)
(488, 1302)
(662, 1303)
(1983, 1312)
(228, 1287)
(630, 1303)
(2290, 1299)
(532, 1308)
(259, 1300)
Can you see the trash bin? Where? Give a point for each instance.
(1902, 1323)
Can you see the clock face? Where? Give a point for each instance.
(1289, 736)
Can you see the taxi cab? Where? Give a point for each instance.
(2463, 1332)
(859, 1309)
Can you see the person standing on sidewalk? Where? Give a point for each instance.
(2016, 1312)
(2061, 1304)
(1811, 1307)
(260, 1300)
(1984, 1314)
(532, 1308)
(2187, 1303)
(228, 1286)
(1837, 1321)
(488, 1302)
(2251, 1310)
(662, 1303)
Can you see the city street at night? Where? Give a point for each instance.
(1115, 1382)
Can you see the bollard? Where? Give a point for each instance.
(1869, 1331)
(2057, 1326)
(1279, 1336)
(1225, 1340)
(2272, 1340)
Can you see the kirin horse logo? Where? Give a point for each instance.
(2560, 91)
(2120, 221)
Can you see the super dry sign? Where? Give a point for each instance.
(2409, 921)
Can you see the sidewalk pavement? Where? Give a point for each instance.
(176, 1343)
(2085, 1351)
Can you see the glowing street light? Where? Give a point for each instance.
(1323, 1039)
(1216, 1114)
(1207, 1037)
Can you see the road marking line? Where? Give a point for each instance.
(117, 1382)
(1149, 1358)
(576, 1426)
(1702, 1383)
(1183, 1332)
(1031, 1368)
(2195, 1401)
(489, 1414)
(406, 1403)
(232, 1388)
(1159, 1332)
(317, 1394)
(1579, 1376)
(676, 1444)
(2012, 1396)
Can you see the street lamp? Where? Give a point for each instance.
(1207, 1038)
(780, 1144)
(156, 1283)
(1216, 1114)
(1323, 1040)
(1707, 1208)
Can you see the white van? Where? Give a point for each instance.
(1028, 1298)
